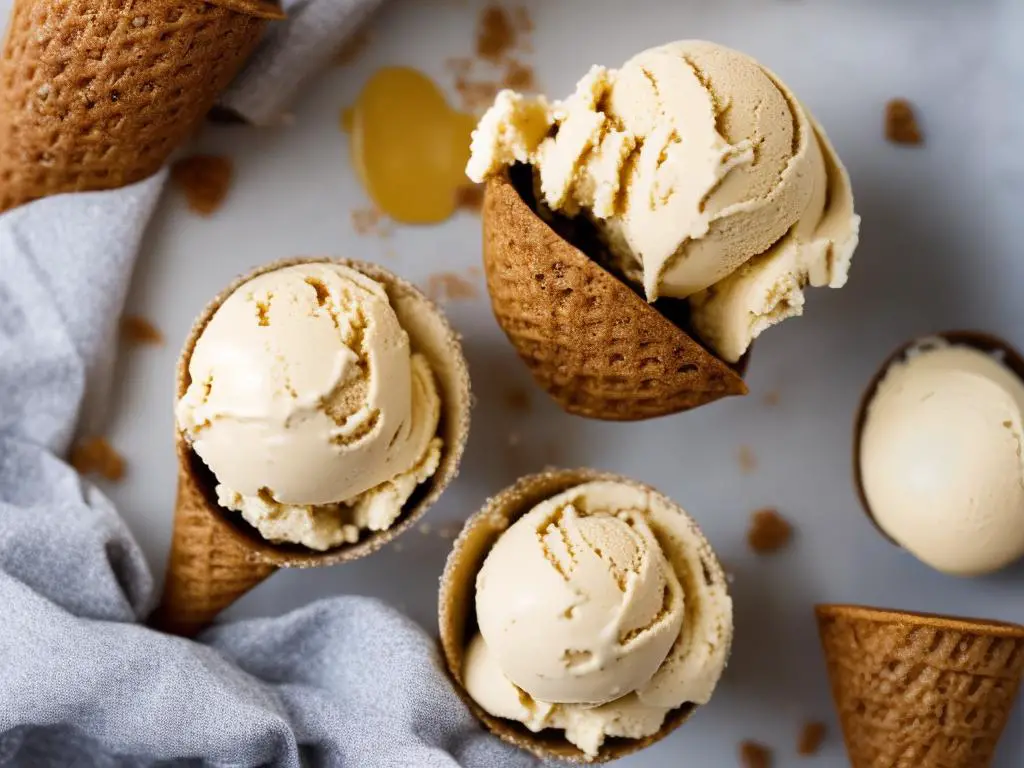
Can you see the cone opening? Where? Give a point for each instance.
(581, 234)
(984, 342)
(432, 336)
(457, 611)
(916, 618)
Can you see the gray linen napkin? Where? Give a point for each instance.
(345, 681)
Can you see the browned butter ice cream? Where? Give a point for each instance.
(595, 618)
(705, 176)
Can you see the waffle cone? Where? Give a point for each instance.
(920, 690)
(216, 556)
(96, 94)
(457, 614)
(597, 348)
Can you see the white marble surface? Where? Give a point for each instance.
(939, 250)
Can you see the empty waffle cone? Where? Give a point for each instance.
(597, 347)
(216, 556)
(457, 613)
(97, 94)
(920, 690)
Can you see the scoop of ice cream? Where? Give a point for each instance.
(304, 394)
(577, 600)
(940, 458)
(609, 573)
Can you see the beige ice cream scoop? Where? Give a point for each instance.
(939, 453)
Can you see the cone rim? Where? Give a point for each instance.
(851, 612)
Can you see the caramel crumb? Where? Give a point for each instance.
(352, 48)
(900, 123)
(95, 456)
(450, 286)
(769, 531)
(519, 77)
(371, 221)
(205, 180)
(496, 34)
(747, 459)
(517, 399)
(811, 738)
(771, 398)
(754, 755)
(138, 330)
(469, 197)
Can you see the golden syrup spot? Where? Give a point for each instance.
(408, 146)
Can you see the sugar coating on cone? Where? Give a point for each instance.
(918, 690)
(457, 620)
(207, 540)
(95, 95)
(596, 347)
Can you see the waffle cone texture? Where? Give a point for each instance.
(216, 556)
(97, 94)
(590, 341)
(921, 691)
(457, 613)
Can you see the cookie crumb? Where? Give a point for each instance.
(518, 399)
(519, 77)
(747, 459)
(496, 34)
(469, 197)
(769, 531)
(205, 180)
(812, 736)
(426, 528)
(95, 456)
(771, 398)
(901, 124)
(138, 330)
(754, 755)
(371, 221)
(399, 546)
(352, 48)
(450, 286)
(449, 531)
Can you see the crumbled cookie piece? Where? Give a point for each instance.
(95, 456)
(205, 180)
(371, 221)
(900, 123)
(754, 755)
(747, 460)
(519, 77)
(812, 736)
(138, 330)
(496, 34)
(769, 531)
(450, 286)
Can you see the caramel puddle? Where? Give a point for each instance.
(408, 146)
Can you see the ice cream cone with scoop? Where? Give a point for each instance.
(322, 407)
(917, 689)
(583, 616)
(639, 234)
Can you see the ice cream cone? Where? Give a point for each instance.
(597, 348)
(216, 556)
(96, 94)
(984, 342)
(457, 616)
(920, 690)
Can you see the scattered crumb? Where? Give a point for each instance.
(771, 398)
(754, 755)
(449, 531)
(426, 528)
(95, 456)
(514, 439)
(371, 221)
(352, 48)
(469, 197)
(496, 34)
(476, 95)
(769, 531)
(519, 77)
(399, 546)
(138, 330)
(450, 286)
(205, 180)
(811, 738)
(747, 459)
(518, 399)
(900, 123)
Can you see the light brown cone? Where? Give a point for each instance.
(920, 691)
(597, 348)
(96, 94)
(216, 556)
(457, 615)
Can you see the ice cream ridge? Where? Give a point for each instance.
(310, 406)
(600, 612)
(702, 176)
(939, 461)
